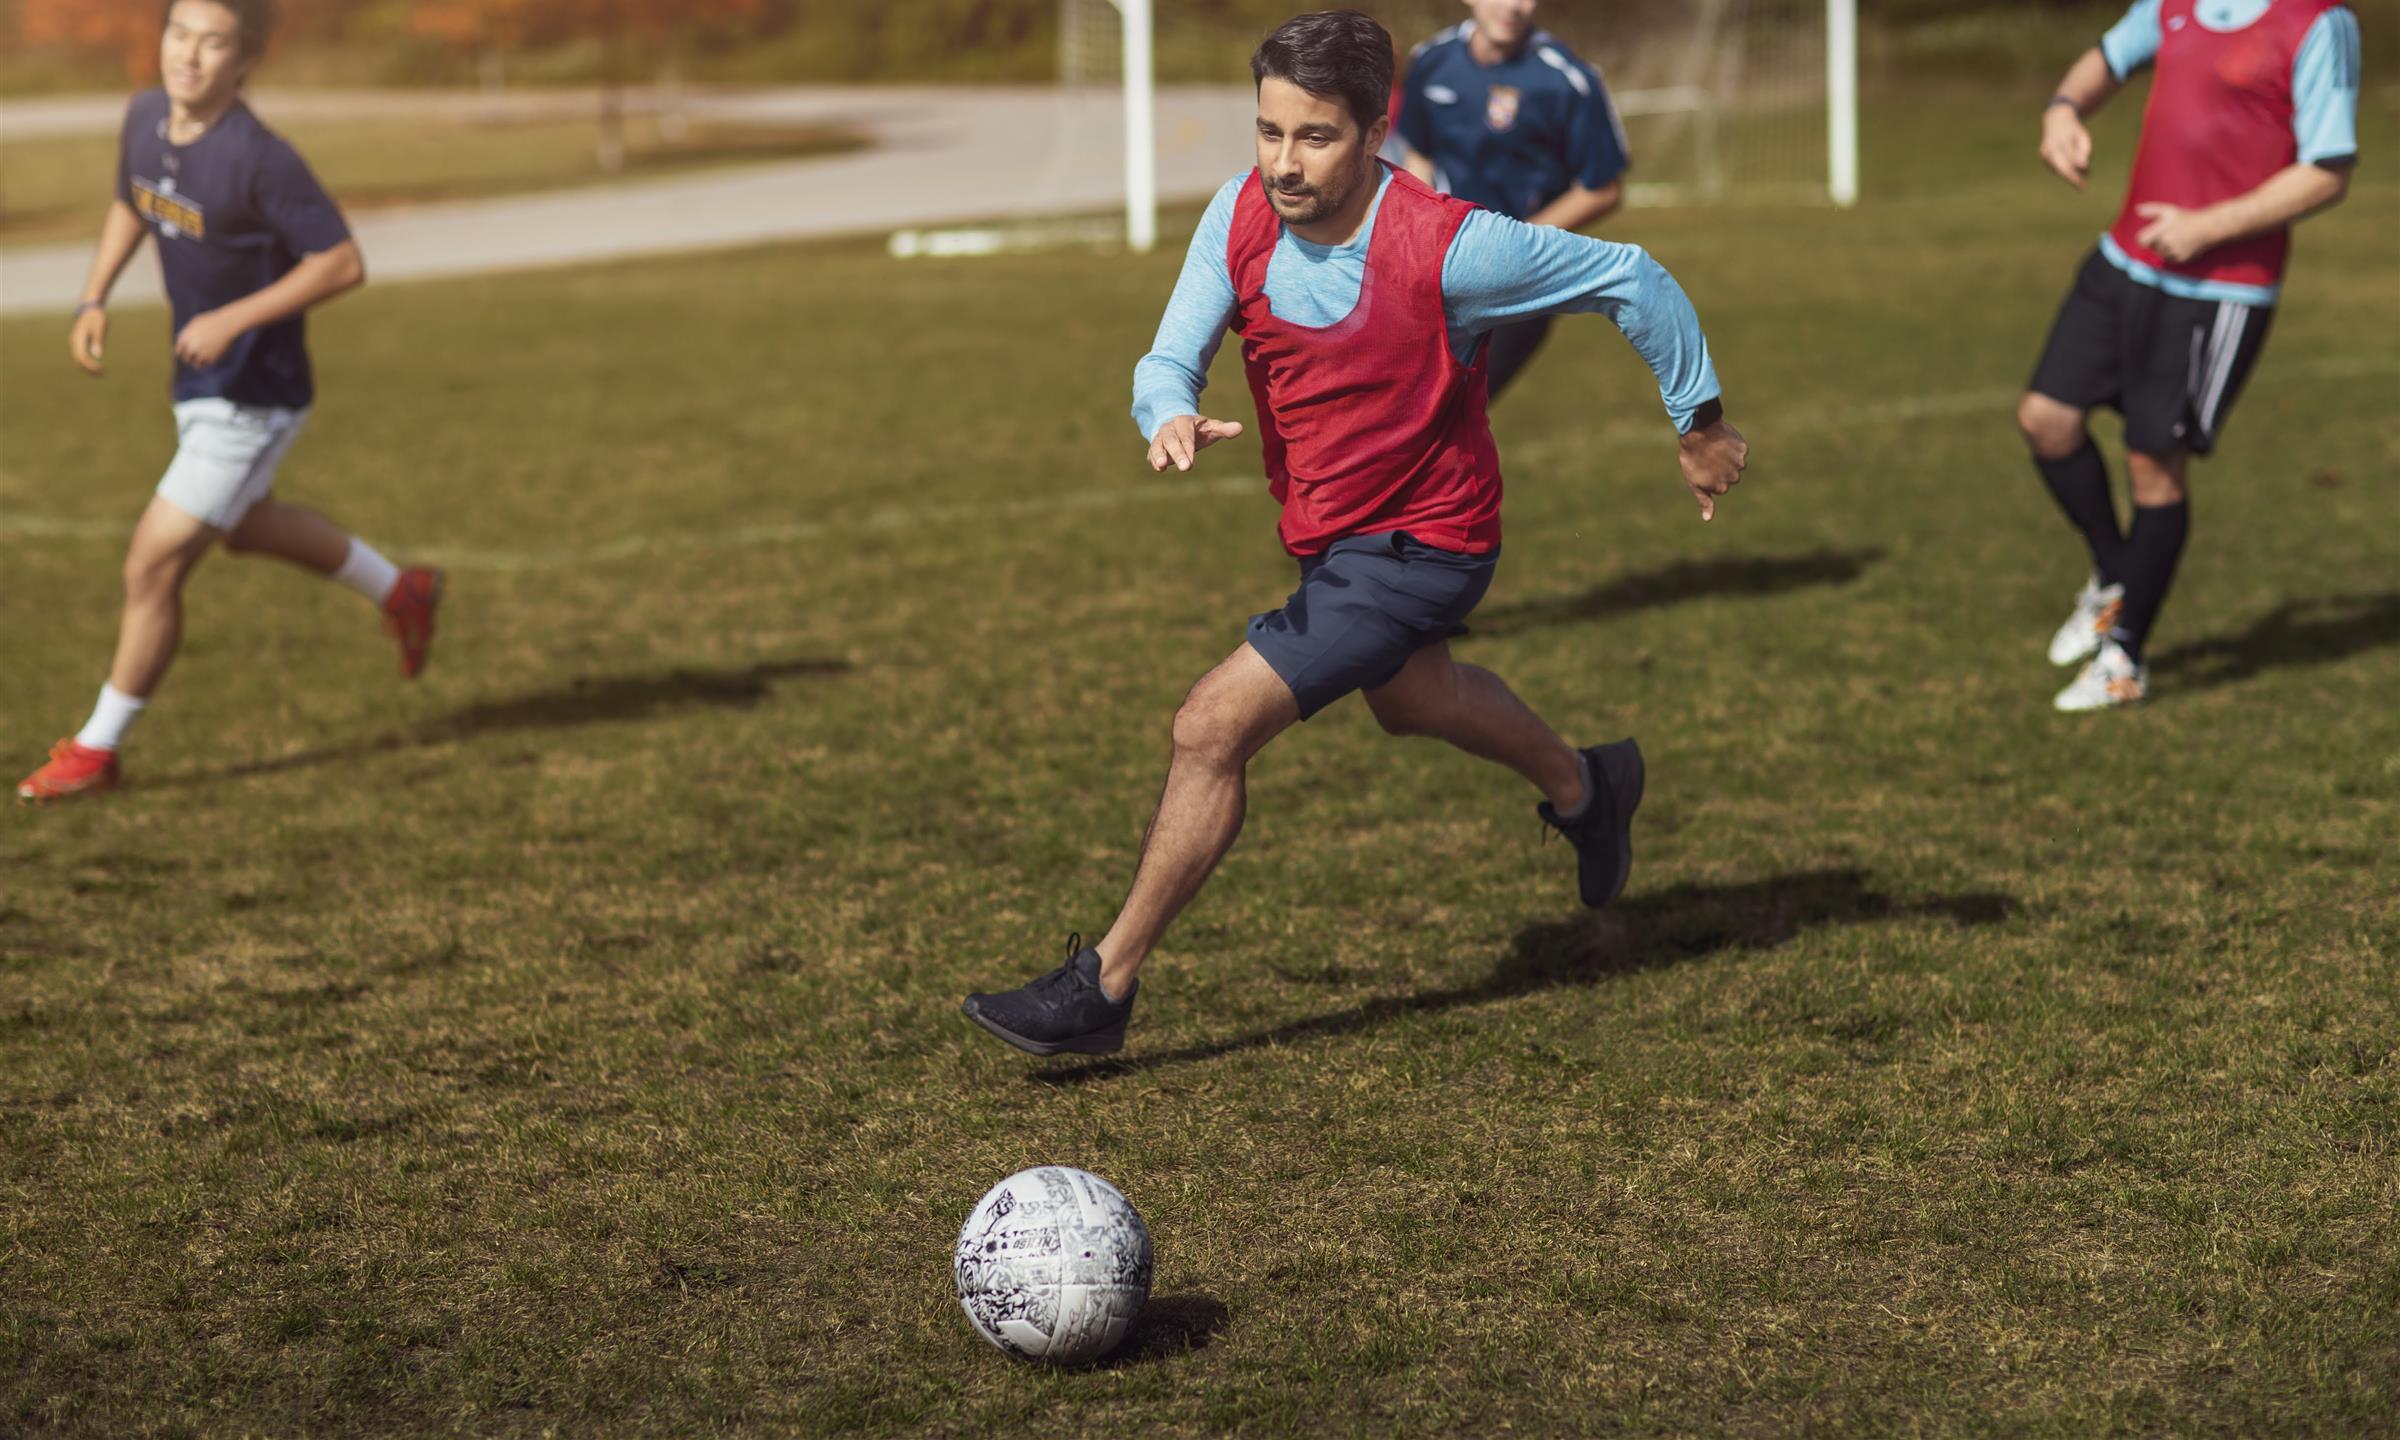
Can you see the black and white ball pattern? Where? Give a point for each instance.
(1053, 1264)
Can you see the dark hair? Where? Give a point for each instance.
(258, 19)
(1338, 53)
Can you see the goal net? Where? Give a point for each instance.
(1722, 102)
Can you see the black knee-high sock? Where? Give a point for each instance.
(2150, 555)
(2080, 485)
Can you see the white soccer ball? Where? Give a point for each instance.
(1053, 1264)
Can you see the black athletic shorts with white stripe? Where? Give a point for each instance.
(2171, 366)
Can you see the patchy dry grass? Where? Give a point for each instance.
(569, 1042)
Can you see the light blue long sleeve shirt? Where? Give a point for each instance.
(1498, 270)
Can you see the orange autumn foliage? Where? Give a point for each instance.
(130, 28)
(511, 23)
(122, 27)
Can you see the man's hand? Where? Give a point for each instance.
(2175, 233)
(1713, 456)
(1181, 438)
(205, 338)
(2066, 145)
(87, 338)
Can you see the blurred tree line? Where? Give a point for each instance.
(57, 43)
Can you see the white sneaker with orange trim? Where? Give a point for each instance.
(2110, 680)
(2096, 609)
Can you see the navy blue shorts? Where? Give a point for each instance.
(1364, 606)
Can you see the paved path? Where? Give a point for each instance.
(48, 116)
(941, 156)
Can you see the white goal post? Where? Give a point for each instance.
(1701, 101)
(1141, 128)
(1841, 101)
(1722, 98)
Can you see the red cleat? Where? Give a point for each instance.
(408, 616)
(74, 769)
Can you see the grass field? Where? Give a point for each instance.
(569, 1044)
(56, 188)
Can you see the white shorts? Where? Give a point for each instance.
(225, 458)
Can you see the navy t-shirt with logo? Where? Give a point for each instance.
(1515, 136)
(233, 211)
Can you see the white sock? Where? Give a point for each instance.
(111, 718)
(367, 572)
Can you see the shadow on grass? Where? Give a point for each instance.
(1170, 1325)
(582, 701)
(1686, 922)
(2299, 632)
(1683, 580)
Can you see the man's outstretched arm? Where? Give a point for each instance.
(1499, 270)
(1167, 382)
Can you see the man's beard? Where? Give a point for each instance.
(1312, 204)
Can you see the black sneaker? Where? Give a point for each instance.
(1603, 834)
(1065, 1010)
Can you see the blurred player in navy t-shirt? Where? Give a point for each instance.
(1496, 111)
(248, 242)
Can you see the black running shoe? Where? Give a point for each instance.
(1064, 1011)
(1603, 834)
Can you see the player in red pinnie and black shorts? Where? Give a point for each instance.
(2252, 126)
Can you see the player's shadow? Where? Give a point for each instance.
(1678, 581)
(1170, 1325)
(1666, 927)
(2315, 631)
(585, 700)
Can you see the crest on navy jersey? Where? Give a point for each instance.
(1500, 110)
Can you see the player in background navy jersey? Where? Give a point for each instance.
(1496, 111)
(248, 242)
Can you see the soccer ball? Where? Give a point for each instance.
(1053, 1264)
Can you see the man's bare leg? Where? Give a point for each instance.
(166, 545)
(407, 598)
(1474, 709)
(1229, 716)
(294, 533)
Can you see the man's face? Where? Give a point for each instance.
(200, 53)
(1505, 23)
(1312, 156)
